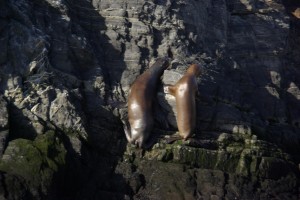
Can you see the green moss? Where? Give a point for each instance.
(22, 159)
(178, 142)
(51, 149)
(203, 158)
(168, 155)
(227, 161)
(195, 156)
(254, 164)
(34, 161)
(244, 165)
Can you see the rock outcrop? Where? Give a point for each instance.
(3, 124)
(65, 71)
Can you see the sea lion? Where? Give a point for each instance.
(140, 103)
(185, 91)
(296, 13)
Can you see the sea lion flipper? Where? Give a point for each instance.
(169, 139)
(127, 131)
(170, 89)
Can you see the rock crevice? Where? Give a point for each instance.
(65, 71)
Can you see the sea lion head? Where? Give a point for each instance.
(194, 69)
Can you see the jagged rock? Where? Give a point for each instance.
(4, 128)
(232, 170)
(67, 66)
(167, 101)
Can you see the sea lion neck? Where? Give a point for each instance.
(159, 66)
(194, 69)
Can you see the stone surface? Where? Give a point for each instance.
(232, 170)
(65, 72)
(34, 164)
(4, 128)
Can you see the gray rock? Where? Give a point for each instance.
(24, 161)
(4, 126)
(67, 66)
(167, 101)
(4, 114)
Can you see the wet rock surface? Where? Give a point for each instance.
(65, 71)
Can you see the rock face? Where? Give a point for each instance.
(66, 68)
(3, 124)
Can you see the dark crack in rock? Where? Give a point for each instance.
(65, 72)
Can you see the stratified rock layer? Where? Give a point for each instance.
(230, 169)
(65, 71)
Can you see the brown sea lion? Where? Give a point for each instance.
(296, 13)
(140, 103)
(185, 93)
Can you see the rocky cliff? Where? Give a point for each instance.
(66, 67)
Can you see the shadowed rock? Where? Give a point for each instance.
(62, 62)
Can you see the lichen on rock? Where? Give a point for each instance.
(35, 162)
(177, 169)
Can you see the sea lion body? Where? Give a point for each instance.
(185, 93)
(140, 103)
